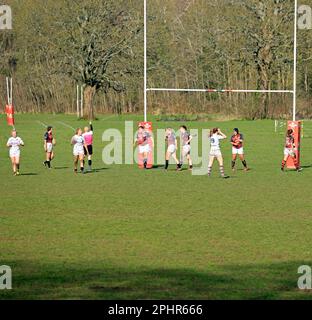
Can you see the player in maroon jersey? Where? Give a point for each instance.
(237, 141)
(143, 141)
(290, 150)
(49, 143)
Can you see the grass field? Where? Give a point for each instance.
(122, 233)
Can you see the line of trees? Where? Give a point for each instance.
(239, 44)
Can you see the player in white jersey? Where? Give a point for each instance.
(14, 143)
(216, 136)
(79, 144)
(172, 148)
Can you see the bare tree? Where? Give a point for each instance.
(98, 33)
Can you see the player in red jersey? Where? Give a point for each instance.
(237, 141)
(290, 150)
(49, 143)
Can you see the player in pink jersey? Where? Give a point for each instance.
(88, 138)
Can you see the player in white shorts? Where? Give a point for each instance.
(143, 140)
(237, 141)
(78, 151)
(290, 150)
(49, 143)
(14, 143)
(186, 139)
(216, 136)
(172, 148)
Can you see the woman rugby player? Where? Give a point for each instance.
(186, 139)
(142, 140)
(172, 148)
(215, 152)
(88, 150)
(290, 150)
(49, 142)
(237, 141)
(78, 151)
(14, 143)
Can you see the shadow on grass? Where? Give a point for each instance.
(29, 174)
(61, 281)
(307, 166)
(98, 170)
(60, 168)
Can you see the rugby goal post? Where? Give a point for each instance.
(293, 91)
(293, 123)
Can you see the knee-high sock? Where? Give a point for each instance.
(209, 171)
(233, 164)
(222, 171)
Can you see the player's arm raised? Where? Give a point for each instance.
(222, 134)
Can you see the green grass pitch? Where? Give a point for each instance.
(123, 233)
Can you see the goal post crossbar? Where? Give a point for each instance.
(217, 90)
(293, 92)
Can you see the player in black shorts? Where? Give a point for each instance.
(88, 150)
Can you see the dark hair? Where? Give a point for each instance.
(141, 127)
(290, 132)
(49, 128)
(236, 130)
(184, 127)
(215, 130)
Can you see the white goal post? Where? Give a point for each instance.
(293, 92)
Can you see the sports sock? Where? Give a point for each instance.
(233, 164)
(222, 171)
(209, 171)
(90, 163)
(283, 164)
(49, 164)
(145, 163)
(244, 163)
(17, 167)
(191, 166)
(167, 164)
(81, 169)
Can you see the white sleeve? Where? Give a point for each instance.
(220, 137)
(9, 142)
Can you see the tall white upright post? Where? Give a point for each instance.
(78, 106)
(145, 60)
(295, 62)
(81, 100)
(8, 90)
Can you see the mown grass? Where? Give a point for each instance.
(122, 233)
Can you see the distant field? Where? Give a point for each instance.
(123, 233)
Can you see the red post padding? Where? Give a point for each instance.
(9, 110)
(296, 127)
(148, 127)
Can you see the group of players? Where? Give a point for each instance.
(82, 143)
(145, 142)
